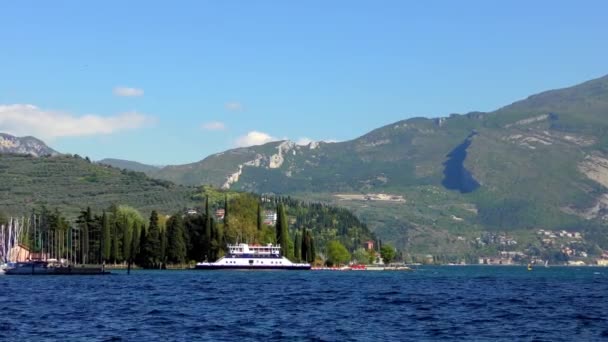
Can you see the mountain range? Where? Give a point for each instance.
(24, 145)
(435, 184)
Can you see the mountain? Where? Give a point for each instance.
(437, 184)
(24, 145)
(70, 183)
(129, 165)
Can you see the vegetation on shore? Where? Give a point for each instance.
(122, 234)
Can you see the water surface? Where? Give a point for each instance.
(432, 303)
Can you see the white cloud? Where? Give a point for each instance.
(25, 119)
(127, 91)
(214, 126)
(254, 138)
(233, 106)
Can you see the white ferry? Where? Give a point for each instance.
(252, 257)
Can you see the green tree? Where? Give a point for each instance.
(387, 252)
(312, 255)
(106, 237)
(176, 247)
(85, 223)
(297, 247)
(208, 234)
(128, 220)
(371, 256)
(217, 242)
(360, 256)
(140, 256)
(226, 214)
(282, 231)
(305, 245)
(337, 253)
(151, 250)
(163, 248)
(115, 254)
(260, 219)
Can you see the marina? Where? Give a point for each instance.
(51, 254)
(50, 268)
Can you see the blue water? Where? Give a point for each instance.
(432, 303)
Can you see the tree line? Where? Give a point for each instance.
(120, 234)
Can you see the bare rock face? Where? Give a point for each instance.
(595, 167)
(24, 145)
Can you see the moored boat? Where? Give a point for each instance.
(252, 257)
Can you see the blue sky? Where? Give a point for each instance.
(171, 82)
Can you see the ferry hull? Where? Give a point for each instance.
(252, 268)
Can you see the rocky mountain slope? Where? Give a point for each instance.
(539, 162)
(24, 145)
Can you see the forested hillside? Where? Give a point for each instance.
(72, 182)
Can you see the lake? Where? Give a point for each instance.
(431, 303)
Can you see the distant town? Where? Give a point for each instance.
(555, 247)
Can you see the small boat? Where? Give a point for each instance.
(529, 267)
(39, 267)
(252, 257)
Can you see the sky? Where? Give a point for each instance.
(171, 82)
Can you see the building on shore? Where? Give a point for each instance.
(501, 260)
(22, 253)
(602, 262)
(270, 217)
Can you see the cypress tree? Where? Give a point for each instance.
(297, 247)
(277, 226)
(176, 246)
(312, 251)
(85, 222)
(225, 212)
(208, 234)
(305, 245)
(115, 251)
(163, 249)
(140, 258)
(282, 231)
(135, 241)
(152, 253)
(260, 220)
(115, 244)
(106, 237)
(125, 226)
(214, 243)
